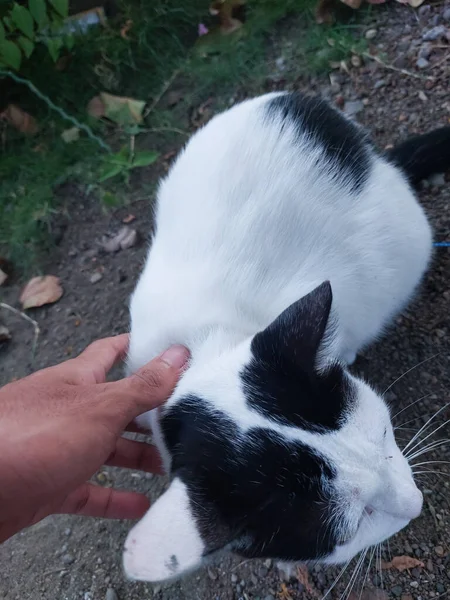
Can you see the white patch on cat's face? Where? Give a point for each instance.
(165, 542)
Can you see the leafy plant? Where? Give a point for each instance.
(23, 28)
(121, 163)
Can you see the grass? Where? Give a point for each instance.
(158, 53)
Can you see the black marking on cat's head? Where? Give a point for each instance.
(255, 492)
(283, 380)
(345, 145)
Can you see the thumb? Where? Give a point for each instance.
(153, 383)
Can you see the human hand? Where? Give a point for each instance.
(60, 425)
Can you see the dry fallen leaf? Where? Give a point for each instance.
(128, 219)
(71, 135)
(302, 575)
(284, 594)
(126, 28)
(19, 119)
(120, 109)
(3, 277)
(402, 563)
(41, 290)
(124, 239)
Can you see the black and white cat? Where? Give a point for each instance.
(285, 243)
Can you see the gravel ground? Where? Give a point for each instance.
(72, 558)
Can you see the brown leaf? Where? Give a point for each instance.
(128, 219)
(402, 563)
(41, 290)
(125, 29)
(120, 109)
(96, 108)
(284, 594)
(302, 575)
(19, 119)
(324, 11)
(227, 10)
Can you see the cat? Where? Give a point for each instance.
(285, 243)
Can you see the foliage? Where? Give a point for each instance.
(23, 28)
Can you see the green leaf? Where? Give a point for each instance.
(54, 46)
(38, 11)
(10, 54)
(61, 7)
(69, 41)
(22, 18)
(143, 159)
(9, 24)
(111, 171)
(110, 199)
(26, 45)
(2, 32)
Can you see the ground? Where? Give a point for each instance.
(71, 558)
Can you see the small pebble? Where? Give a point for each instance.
(111, 594)
(212, 574)
(269, 597)
(434, 33)
(234, 578)
(96, 277)
(370, 34)
(68, 559)
(379, 84)
(439, 550)
(414, 584)
(353, 107)
(397, 590)
(440, 588)
(422, 63)
(356, 60)
(156, 590)
(268, 563)
(446, 14)
(425, 50)
(67, 531)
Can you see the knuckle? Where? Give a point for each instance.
(152, 378)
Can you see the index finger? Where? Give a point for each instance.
(100, 356)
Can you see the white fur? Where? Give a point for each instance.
(246, 225)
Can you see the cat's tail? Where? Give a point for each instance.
(422, 155)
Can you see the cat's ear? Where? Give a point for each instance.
(298, 333)
(166, 542)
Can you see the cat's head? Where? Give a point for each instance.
(275, 451)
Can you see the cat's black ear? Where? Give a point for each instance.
(297, 333)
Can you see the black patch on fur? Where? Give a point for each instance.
(265, 496)
(423, 155)
(282, 382)
(345, 144)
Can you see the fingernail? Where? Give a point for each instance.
(175, 356)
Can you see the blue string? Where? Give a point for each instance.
(442, 244)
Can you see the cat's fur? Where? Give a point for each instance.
(284, 244)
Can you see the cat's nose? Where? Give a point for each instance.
(410, 504)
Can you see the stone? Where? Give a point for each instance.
(370, 34)
(68, 559)
(425, 50)
(353, 107)
(414, 584)
(433, 34)
(96, 277)
(437, 180)
(446, 14)
(234, 578)
(439, 550)
(422, 63)
(111, 594)
(397, 591)
(212, 574)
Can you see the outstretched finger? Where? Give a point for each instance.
(100, 356)
(130, 454)
(92, 500)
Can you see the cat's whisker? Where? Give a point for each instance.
(367, 572)
(344, 568)
(380, 567)
(429, 435)
(425, 426)
(354, 576)
(427, 449)
(432, 473)
(409, 406)
(409, 371)
(431, 462)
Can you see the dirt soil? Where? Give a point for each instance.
(68, 558)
